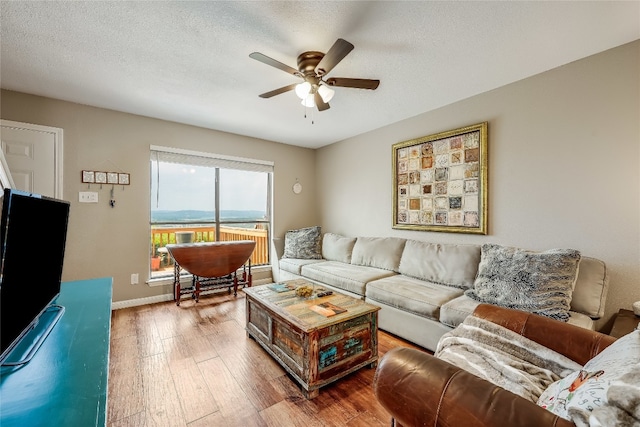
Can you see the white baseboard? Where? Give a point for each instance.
(141, 301)
(163, 298)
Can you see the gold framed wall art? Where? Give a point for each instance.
(440, 181)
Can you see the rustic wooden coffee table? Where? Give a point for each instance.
(315, 349)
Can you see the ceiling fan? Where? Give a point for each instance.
(312, 68)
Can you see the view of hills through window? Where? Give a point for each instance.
(189, 216)
(186, 193)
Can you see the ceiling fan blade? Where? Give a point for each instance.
(278, 91)
(338, 51)
(356, 83)
(270, 61)
(320, 102)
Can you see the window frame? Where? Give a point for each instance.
(181, 156)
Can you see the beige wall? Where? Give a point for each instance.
(564, 160)
(105, 241)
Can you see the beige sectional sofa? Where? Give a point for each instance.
(420, 286)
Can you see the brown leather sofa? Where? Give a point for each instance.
(420, 390)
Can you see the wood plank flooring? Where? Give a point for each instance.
(193, 365)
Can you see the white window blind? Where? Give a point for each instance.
(198, 158)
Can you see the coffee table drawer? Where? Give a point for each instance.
(290, 345)
(347, 348)
(336, 330)
(284, 342)
(260, 320)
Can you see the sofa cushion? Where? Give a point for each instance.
(538, 282)
(451, 265)
(590, 292)
(455, 311)
(379, 252)
(294, 266)
(582, 320)
(352, 278)
(303, 243)
(589, 392)
(337, 248)
(412, 295)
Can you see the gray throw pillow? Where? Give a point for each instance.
(304, 243)
(537, 282)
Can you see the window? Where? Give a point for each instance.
(200, 197)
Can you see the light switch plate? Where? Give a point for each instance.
(88, 197)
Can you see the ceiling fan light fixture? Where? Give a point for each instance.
(313, 67)
(309, 101)
(326, 93)
(303, 89)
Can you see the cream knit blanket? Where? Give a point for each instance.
(503, 357)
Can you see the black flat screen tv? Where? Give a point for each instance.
(33, 233)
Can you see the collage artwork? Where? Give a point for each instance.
(439, 183)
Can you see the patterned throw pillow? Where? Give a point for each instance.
(537, 282)
(304, 243)
(577, 395)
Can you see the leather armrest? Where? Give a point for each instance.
(578, 344)
(418, 389)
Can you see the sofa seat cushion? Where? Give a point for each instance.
(455, 311)
(582, 320)
(349, 277)
(294, 265)
(412, 295)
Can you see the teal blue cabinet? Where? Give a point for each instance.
(65, 384)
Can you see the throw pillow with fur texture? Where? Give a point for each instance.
(537, 282)
(304, 243)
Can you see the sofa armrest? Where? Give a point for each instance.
(576, 343)
(278, 246)
(418, 389)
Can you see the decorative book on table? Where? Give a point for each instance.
(280, 287)
(327, 309)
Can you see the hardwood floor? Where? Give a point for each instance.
(193, 365)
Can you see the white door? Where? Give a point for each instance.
(34, 156)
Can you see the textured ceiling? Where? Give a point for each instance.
(189, 62)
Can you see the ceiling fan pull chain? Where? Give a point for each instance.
(305, 113)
